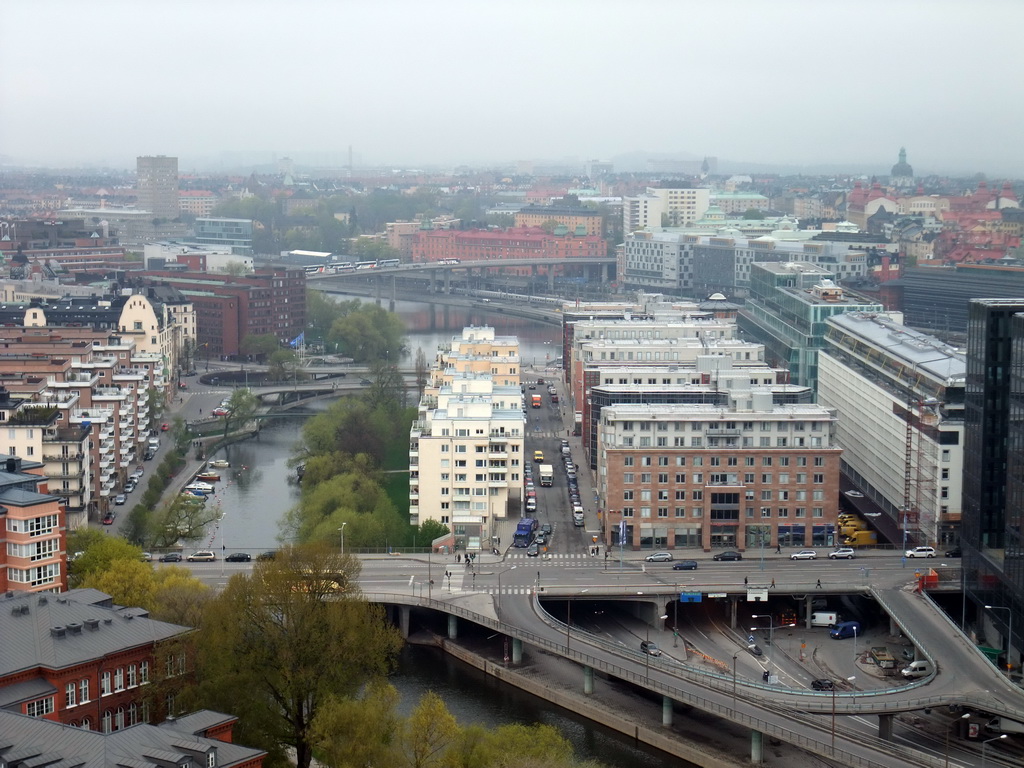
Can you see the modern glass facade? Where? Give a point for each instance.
(994, 459)
(234, 234)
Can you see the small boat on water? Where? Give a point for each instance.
(208, 476)
(219, 464)
(194, 496)
(199, 486)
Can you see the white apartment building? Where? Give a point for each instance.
(664, 207)
(700, 263)
(466, 448)
(899, 395)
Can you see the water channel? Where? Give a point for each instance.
(257, 490)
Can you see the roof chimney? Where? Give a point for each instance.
(57, 632)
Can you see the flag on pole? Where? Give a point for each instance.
(298, 340)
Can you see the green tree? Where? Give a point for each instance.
(428, 733)
(422, 371)
(368, 332)
(277, 645)
(128, 582)
(282, 364)
(99, 552)
(358, 732)
(429, 530)
(259, 345)
(241, 407)
(237, 268)
(178, 596)
(183, 517)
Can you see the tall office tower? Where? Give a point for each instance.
(157, 186)
(993, 498)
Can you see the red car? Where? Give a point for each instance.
(221, 411)
(164, 427)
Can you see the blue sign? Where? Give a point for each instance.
(690, 597)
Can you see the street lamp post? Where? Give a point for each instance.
(675, 619)
(342, 531)
(499, 583)
(1009, 633)
(984, 743)
(833, 716)
(647, 655)
(771, 634)
(950, 728)
(852, 680)
(568, 618)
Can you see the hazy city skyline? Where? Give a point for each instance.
(800, 83)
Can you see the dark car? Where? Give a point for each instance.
(954, 552)
(270, 554)
(170, 557)
(685, 565)
(822, 684)
(730, 555)
(533, 550)
(755, 649)
(650, 648)
(546, 529)
(365, 383)
(108, 519)
(238, 557)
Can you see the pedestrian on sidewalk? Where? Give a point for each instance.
(746, 582)
(773, 583)
(818, 585)
(778, 549)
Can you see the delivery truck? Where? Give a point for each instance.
(546, 473)
(861, 539)
(535, 401)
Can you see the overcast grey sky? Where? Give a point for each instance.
(432, 82)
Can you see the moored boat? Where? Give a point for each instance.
(208, 476)
(219, 464)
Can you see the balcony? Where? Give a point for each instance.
(63, 456)
(71, 474)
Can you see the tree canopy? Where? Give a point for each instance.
(279, 644)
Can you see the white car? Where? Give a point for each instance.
(920, 552)
(843, 553)
(804, 554)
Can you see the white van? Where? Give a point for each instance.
(154, 444)
(577, 517)
(824, 619)
(915, 669)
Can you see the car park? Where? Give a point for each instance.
(659, 557)
(728, 555)
(843, 553)
(920, 552)
(804, 554)
(238, 557)
(202, 556)
(650, 648)
(170, 557)
(822, 684)
(685, 565)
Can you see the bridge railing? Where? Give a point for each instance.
(679, 694)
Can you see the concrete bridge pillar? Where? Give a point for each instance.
(733, 607)
(894, 628)
(394, 293)
(453, 627)
(604, 274)
(885, 727)
(517, 651)
(433, 281)
(378, 285)
(756, 747)
(588, 680)
(448, 281)
(551, 278)
(808, 610)
(666, 711)
(403, 620)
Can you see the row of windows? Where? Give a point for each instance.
(717, 442)
(698, 495)
(715, 461)
(35, 526)
(725, 478)
(723, 514)
(36, 577)
(76, 693)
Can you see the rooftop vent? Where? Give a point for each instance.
(74, 628)
(92, 624)
(57, 631)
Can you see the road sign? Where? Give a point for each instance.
(757, 595)
(717, 594)
(690, 597)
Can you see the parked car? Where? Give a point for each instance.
(146, 557)
(650, 648)
(546, 529)
(108, 519)
(843, 553)
(238, 557)
(221, 411)
(270, 554)
(920, 552)
(164, 427)
(170, 557)
(822, 684)
(685, 565)
(954, 552)
(804, 554)
(202, 556)
(541, 539)
(365, 383)
(659, 557)
(729, 555)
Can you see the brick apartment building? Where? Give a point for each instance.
(513, 243)
(701, 476)
(270, 301)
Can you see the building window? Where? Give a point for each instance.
(107, 720)
(105, 684)
(144, 672)
(83, 691)
(627, 495)
(69, 694)
(119, 679)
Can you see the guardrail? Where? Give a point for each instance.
(762, 725)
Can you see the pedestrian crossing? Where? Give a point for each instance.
(563, 558)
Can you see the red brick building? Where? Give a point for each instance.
(270, 301)
(76, 659)
(500, 245)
